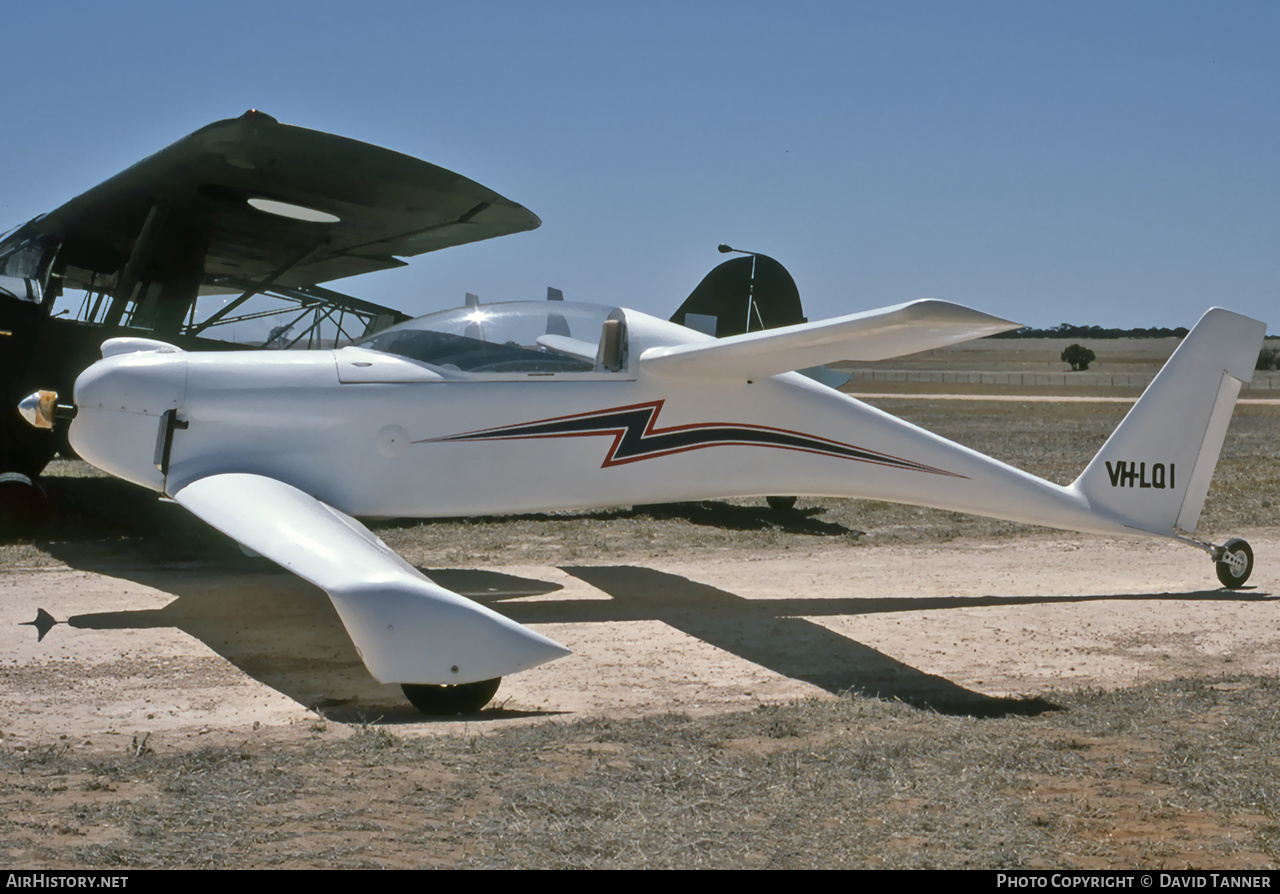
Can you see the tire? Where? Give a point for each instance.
(450, 701)
(23, 506)
(781, 504)
(1232, 577)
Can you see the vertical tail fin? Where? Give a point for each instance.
(742, 295)
(1154, 470)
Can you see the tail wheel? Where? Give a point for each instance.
(450, 701)
(1235, 563)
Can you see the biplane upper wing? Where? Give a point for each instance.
(250, 198)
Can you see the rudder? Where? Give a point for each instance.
(1153, 472)
(742, 295)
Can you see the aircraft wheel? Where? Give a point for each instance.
(22, 502)
(1234, 573)
(449, 701)
(781, 504)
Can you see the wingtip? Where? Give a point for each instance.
(411, 633)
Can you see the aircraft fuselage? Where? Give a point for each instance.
(376, 435)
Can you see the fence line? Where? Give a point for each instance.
(1262, 381)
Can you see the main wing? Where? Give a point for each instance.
(407, 628)
(250, 197)
(872, 335)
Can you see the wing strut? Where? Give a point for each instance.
(256, 288)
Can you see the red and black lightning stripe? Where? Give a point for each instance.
(636, 438)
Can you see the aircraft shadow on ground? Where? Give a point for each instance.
(88, 509)
(707, 513)
(284, 632)
(94, 507)
(775, 634)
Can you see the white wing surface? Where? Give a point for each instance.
(872, 335)
(407, 628)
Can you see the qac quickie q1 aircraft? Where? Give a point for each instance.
(522, 407)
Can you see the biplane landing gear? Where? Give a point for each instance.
(23, 504)
(781, 504)
(449, 701)
(1234, 563)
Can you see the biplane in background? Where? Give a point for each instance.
(231, 228)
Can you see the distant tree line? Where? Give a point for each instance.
(1068, 330)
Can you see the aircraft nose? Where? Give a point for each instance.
(121, 402)
(148, 383)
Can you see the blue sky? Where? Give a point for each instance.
(1111, 163)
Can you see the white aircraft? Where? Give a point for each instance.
(538, 406)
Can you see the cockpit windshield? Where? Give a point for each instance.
(24, 263)
(520, 337)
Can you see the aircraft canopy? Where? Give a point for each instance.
(524, 337)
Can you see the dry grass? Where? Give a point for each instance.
(1174, 775)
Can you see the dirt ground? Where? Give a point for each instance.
(192, 655)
